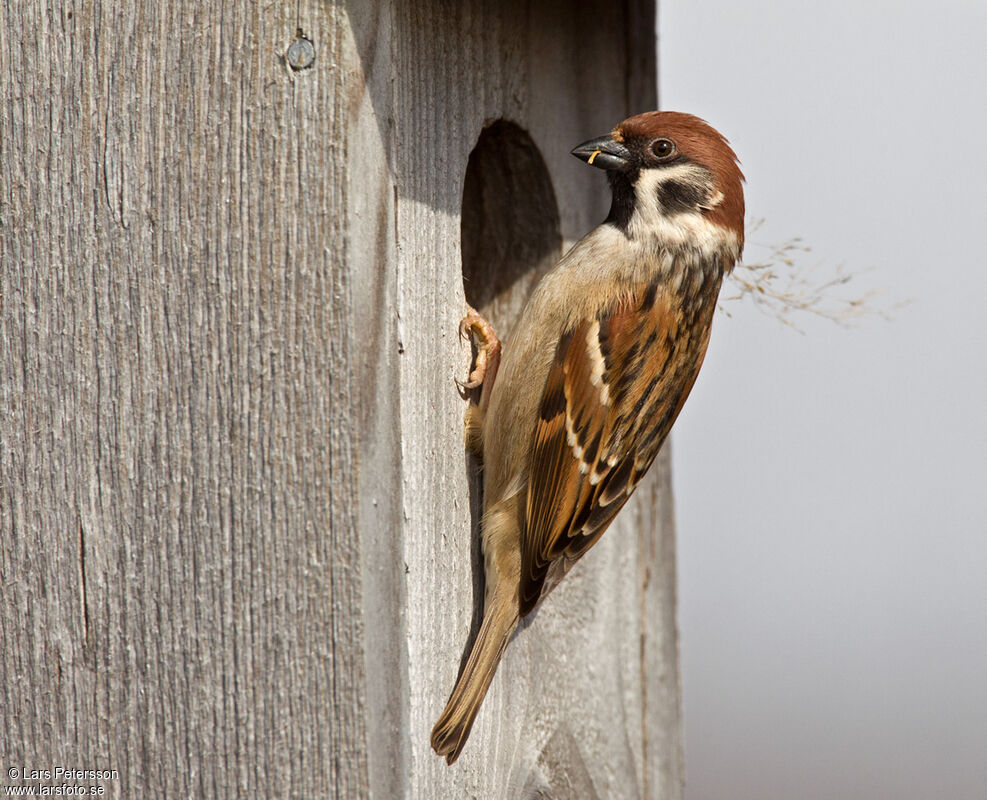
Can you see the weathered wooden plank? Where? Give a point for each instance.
(179, 491)
(562, 77)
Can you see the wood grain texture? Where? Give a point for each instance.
(235, 553)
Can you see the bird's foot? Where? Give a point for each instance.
(474, 326)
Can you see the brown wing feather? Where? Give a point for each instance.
(613, 391)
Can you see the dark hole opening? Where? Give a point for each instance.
(510, 223)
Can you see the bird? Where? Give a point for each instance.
(576, 403)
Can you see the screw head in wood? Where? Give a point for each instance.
(301, 52)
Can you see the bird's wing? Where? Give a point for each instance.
(615, 386)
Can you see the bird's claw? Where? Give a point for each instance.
(474, 383)
(474, 326)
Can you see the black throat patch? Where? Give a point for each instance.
(622, 205)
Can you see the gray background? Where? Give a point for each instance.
(830, 486)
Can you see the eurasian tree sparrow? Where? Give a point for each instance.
(595, 372)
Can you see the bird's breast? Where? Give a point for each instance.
(598, 276)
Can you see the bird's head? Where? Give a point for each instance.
(673, 176)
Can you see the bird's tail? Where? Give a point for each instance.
(453, 728)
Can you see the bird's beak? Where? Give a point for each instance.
(605, 153)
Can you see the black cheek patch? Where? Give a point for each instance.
(678, 197)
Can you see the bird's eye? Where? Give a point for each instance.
(663, 148)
